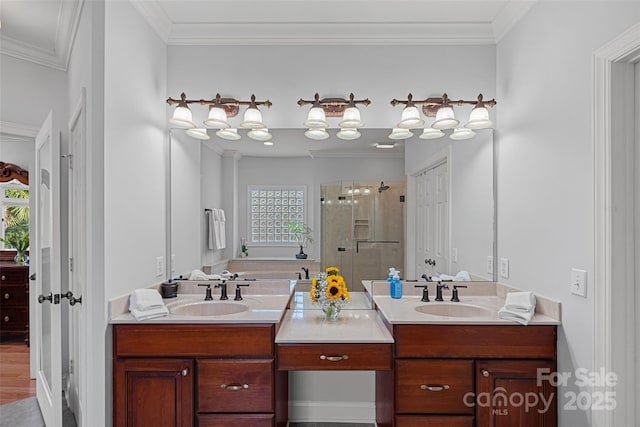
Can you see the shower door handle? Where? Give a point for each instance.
(342, 249)
(373, 241)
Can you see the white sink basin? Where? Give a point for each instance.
(208, 308)
(454, 310)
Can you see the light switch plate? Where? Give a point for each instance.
(578, 285)
(490, 264)
(159, 266)
(504, 268)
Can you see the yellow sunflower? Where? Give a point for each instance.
(332, 270)
(334, 291)
(313, 290)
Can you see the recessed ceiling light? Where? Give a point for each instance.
(380, 145)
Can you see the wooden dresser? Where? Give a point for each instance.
(14, 300)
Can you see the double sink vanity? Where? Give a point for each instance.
(226, 363)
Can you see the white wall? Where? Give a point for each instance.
(546, 170)
(134, 138)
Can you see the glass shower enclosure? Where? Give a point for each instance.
(362, 229)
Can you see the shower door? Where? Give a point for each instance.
(363, 229)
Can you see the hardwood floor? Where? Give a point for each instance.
(14, 372)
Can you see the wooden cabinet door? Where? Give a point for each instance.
(514, 393)
(153, 392)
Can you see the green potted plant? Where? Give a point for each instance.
(302, 234)
(18, 240)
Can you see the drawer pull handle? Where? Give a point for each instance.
(485, 373)
(7, 296)
(185, 372)
(334, 358)
(234, 387)
(434, 387)
(6, 318)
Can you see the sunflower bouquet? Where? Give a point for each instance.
(330, 290)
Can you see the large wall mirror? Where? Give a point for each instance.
(448, 193)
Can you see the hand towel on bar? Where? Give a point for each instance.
(522, 317)
(520, 301)
(145, 299)
(220, 229)
(149, 314)
(209, 227)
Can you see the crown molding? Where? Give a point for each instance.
(16, 132)
(155, 15)
(509, 16)
(57, 57)
(318, 154)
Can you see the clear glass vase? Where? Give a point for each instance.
(331, 310)
(20, 258)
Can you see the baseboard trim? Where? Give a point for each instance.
(337, 412)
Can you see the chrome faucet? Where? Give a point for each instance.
(207, 295)
(223, 290)
(439, 288)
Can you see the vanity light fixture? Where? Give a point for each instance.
(334, 107)
(410, 116)
(198, 133)
(220, 109)
(229, 133)
(442, 110)
(260, 134)
(318, 134)
(399, 133)
(460, 134)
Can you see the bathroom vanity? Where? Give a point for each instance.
(431, 370)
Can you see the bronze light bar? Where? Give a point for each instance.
(231, 106)
(334, 107)
(430, 106)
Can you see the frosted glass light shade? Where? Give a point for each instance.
(430, 133)
(317, 133)
(182, 117)
(410, 118)
(351, 119)
(252, 119)
(229, 133)
(217, 118)
(445, 119)
(316, 119)
(198, 133)
(268, 143)
(460, 134)
(259, 134)
(479, 119)
(399, 133)
(348, 134)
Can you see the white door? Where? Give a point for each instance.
(432, 221)
(48, 313)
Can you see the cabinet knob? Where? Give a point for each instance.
(7, 296)
(6, 319)
(334, 358)
(4, 277)
(434, 387)
(234, 387)
(485, 373)
(185, 372)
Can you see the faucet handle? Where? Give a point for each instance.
(454, 292)
(238, 291)
(425, 292)
(207, 296)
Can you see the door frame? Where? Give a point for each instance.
(615, 323)
(441, 156)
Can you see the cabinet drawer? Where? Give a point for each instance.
(476, 341)
(234, 385)
(193, 340)
(13, 319)
(14, 295)
(433, 421)
(372, 357)
(18, 275)
(235, 420)
(434, 386)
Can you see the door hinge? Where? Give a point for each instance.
(71, 366)
(70, 264)
(69, 157)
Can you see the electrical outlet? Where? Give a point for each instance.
(159, 266)
(504, 268)
(490, 264)
(454, 254)
(578, 285)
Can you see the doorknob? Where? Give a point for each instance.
(42, 298)
(72, 300)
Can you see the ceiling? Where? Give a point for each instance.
(42, 31)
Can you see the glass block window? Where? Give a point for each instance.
(270, 211)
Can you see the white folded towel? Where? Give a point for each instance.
(145, 299)
(462, 276)
(149, 314)
(522, 317)
(520, 301)
(210, 229)
(201, 275)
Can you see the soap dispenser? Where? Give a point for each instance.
(396, 286)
